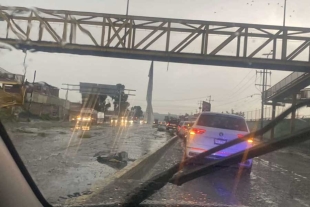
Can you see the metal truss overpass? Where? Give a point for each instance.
(291, 84)
(159, 39)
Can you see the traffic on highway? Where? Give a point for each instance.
(154, 103)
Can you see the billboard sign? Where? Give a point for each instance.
(98, 89)
(206, 106)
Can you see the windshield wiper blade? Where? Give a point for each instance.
(155, 183)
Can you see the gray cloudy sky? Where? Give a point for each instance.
(228, 86)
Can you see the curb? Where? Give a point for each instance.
(138, 165)
(145, 163)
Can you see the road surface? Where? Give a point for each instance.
(64, 165)
(281, 179)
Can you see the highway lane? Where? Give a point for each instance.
(281, 179)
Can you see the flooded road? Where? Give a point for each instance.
(281, 179)
(64, 165)
(66, 169)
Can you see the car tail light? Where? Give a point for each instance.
(249, 140)
(197, 131)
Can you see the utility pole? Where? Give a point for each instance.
(34, 78)
(209, 99)
(264, 86)
(199, 104)
(67, 93)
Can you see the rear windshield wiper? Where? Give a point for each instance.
(152, 185)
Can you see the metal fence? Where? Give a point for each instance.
(255, 115)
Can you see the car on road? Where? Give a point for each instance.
(155, 123)
(172, 125)
(183, 128)
(213, 129)
(179, 127)
(161, 126)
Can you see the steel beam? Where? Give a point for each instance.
(82, 22)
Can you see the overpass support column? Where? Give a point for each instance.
(273, 116)
(293, 113)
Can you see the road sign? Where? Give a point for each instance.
(206, 106)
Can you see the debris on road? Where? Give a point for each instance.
(117, 160)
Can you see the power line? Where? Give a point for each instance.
(175, 99)
(242, 80)
(244, 86)
(250, 96)
(239, 82)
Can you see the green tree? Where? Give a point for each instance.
(123, 104)
(137, 111)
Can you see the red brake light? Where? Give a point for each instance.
(197, 131)
(240, 135)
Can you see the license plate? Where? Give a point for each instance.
(219, 141)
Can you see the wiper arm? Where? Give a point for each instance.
(155, 183)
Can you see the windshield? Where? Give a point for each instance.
(100, 96)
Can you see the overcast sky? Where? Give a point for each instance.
(185, 84)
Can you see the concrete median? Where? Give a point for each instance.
(135, 171)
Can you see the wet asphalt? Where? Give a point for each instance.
(281, 178)
(67, 170)
(65, 166)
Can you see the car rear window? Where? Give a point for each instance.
(222, 122)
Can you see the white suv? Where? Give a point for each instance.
(213, 129)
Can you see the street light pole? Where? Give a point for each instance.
(127, 7)
(126, 26)
(284, 13)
